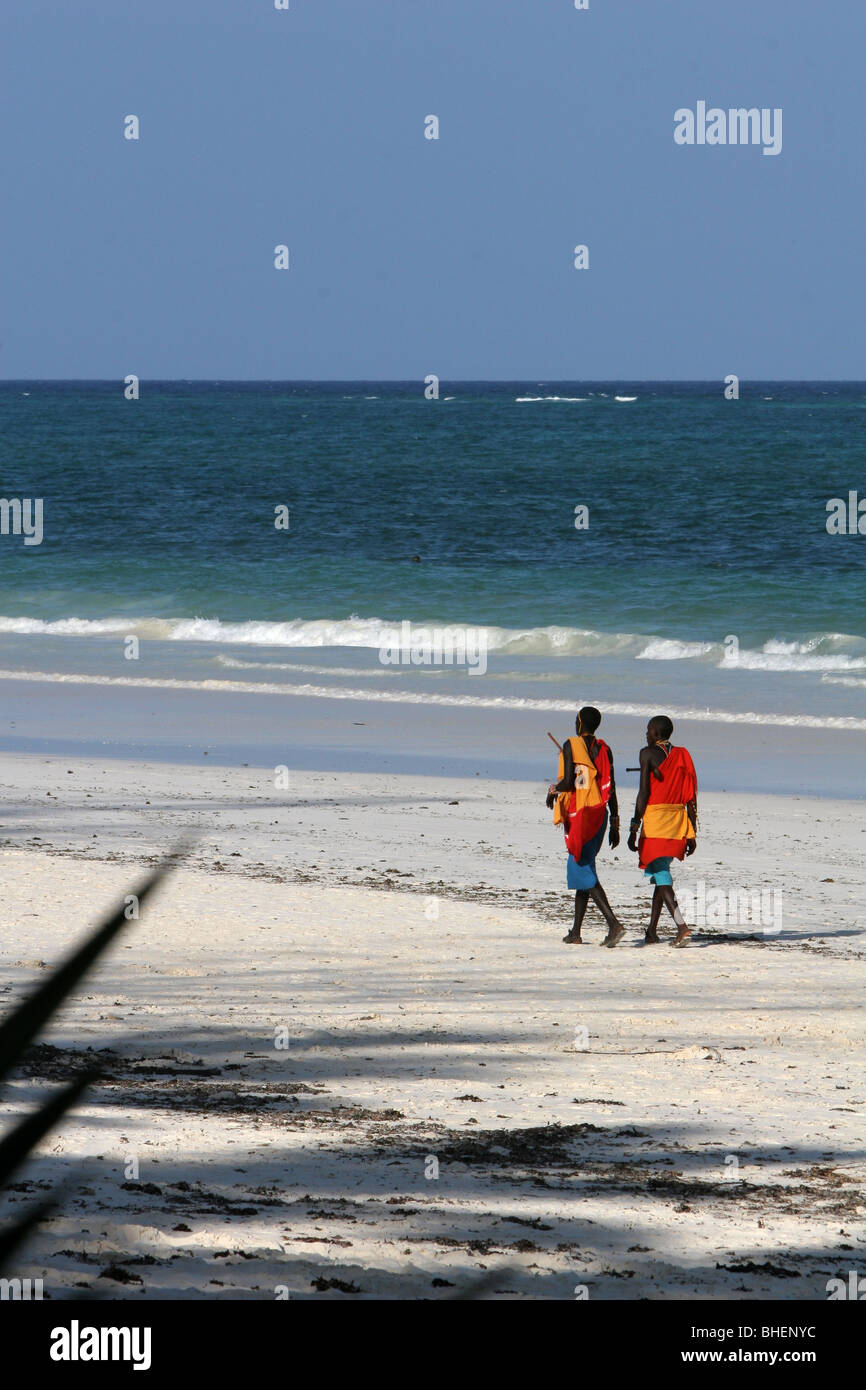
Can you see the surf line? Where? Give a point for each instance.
(405, 697)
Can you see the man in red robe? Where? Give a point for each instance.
(585, 789)
(666, 816)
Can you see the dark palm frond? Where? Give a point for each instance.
(13, 1236)
(18, 1145)
(17, 1033)
(20, 1028)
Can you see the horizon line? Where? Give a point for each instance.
(416, 380)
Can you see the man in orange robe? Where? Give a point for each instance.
(580, 799)
(666, 815)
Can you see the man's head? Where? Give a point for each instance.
(588, 720)
(659, 727)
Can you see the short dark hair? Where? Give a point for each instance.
(661, 726)
(589, 717)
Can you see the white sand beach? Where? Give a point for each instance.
(460, 1094)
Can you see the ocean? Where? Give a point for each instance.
(701, 581)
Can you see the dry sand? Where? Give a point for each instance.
(460, 1093)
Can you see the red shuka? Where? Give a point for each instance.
(585, 821)
(666, 823)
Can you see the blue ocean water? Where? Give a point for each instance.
(706, 578)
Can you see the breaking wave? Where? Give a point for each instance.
(822, 653)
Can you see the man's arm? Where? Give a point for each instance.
(613, 833)
(566, 781)
(649, 760)
(614, 805)
(692, 809)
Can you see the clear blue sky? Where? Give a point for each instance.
(409, 256)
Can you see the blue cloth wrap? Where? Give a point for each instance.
(659, 871)
(580, 873)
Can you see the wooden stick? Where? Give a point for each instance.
(553, 740)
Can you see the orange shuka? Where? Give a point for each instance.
(667, 824)
(581, 812)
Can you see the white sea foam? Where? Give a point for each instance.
(665, 649)
(324, 632)
(824, 652)
(85, 627)
(232, 663)
(523, 400)
(816, 655)
(405, 697)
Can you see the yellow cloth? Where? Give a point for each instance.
(586, 792)
(667, 823)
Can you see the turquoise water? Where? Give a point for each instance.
(707, 521)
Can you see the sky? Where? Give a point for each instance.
(305, 127)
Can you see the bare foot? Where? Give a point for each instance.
(574, 939)
(682, 936)
(652, 938)
(614, 936)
